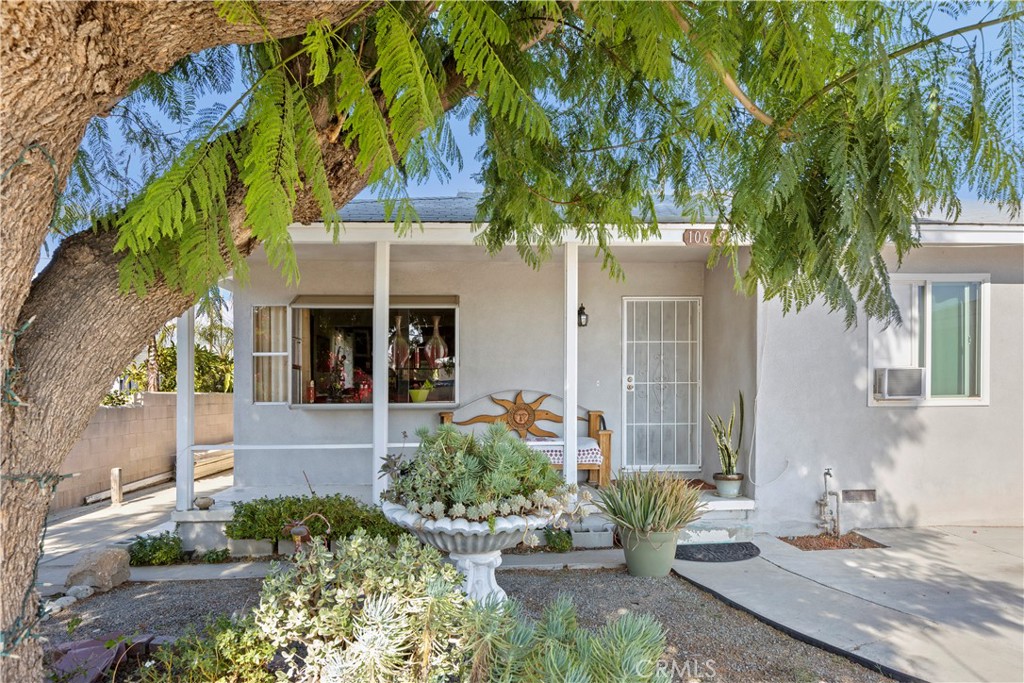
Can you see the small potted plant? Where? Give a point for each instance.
(650, 509)
(473, 497)
(419, 395)
(728, 481)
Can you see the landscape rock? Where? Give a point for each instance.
(100, 569)
(59, 605)
(87, 663)
(81, 592)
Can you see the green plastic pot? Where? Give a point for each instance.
(649, 554)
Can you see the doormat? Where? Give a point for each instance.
(717, 552)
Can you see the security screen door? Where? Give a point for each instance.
(661, 383)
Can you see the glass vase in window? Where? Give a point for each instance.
(399, 351)
(435, 349)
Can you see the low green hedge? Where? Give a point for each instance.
(266, 517)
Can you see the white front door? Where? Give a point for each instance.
(661, 382)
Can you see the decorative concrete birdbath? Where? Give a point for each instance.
(475, 549)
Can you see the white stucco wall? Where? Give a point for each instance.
(929, 465)
(510, 337)
(730, 344)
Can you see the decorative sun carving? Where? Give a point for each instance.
(520, 416)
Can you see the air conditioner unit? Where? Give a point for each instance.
(899, 383)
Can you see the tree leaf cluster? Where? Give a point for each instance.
(813, 134)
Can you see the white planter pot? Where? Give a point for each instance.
(474, 548)
(728, 485)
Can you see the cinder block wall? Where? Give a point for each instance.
(138, 439)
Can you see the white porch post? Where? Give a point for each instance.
(571, 360)
(381, 298)
(185, 415)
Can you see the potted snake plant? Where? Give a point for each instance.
(728, 481)
(650, 509)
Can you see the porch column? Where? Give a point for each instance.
(381, 297)
(571, 355)
(185, 415)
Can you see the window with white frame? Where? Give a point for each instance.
(332, 350)
(939, 353)
(270, 354)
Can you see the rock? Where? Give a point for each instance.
(101, 569)
(87, 663)
(81, 592)
(138, 646)
(59, 605)
(159, 642)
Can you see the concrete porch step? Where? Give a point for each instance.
(716, 531)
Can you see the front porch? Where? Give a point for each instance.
(661, 349)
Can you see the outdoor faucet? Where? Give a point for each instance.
(829, 520)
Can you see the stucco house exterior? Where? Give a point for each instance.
(919, 425)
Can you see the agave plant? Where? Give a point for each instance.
(650, 502)
(722, 431)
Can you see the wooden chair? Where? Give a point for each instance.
(522, 417)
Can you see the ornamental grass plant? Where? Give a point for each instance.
(650, 502)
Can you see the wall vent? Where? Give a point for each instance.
(858, 495)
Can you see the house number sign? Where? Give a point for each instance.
(698, 236)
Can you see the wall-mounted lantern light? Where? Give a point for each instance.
(582, 317)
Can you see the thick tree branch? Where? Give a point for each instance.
(716, 65)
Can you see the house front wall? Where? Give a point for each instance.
(927, 465)
(510, 337)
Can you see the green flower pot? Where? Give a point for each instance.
(649, 554)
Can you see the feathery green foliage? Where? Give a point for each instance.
(815, 133)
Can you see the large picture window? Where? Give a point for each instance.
(332, 352)
(940, 350)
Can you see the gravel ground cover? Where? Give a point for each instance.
(707, 640)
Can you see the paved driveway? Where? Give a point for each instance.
(939, 603)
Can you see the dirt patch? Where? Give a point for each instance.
(850, 541)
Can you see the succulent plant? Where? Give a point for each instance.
(477, 478)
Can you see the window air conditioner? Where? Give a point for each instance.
(897, 383)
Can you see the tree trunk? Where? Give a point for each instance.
(152, 369)
(65, 62)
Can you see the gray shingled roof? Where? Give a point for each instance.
(462, 209)
(458, 209)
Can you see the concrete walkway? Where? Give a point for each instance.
(939, 604)
(72, 533)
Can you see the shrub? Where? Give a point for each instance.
(216, 556)
(267, 517)
(365, 612)
(222, 651)
(558, 540)
(457, 475)
(164, 548)
(373, 613)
